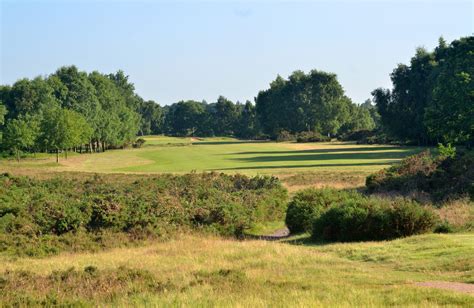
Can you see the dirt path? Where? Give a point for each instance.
(446, 285)
(277, 235)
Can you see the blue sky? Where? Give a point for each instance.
(176, 50)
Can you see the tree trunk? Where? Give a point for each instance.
(57, 155)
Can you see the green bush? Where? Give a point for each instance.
(373, 219)
(310, 203)
(31, 210)
(311, 137)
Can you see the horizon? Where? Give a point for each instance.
(200, 50)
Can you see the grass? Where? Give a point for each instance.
(337, 164)
(209, 271)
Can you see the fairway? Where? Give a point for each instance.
(180, 155)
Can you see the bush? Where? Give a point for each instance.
(285, 136)
(310, 203)
(373, 219)
(31, 210)
(311, 137)
(357, 135)
(443, 227)
(442, 177)
(139, 143)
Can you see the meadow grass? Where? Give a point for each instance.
(209, 271)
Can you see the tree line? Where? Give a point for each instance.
(69, 110)
(432, 99)
(72, 110)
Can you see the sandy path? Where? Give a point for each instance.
(446, 285)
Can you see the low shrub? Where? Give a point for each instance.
(310, 203)
(139, 143)
(366, 137)
(443, 177)
(373, 219)
(284, 136)
(311, 137)
(443, 227)
(32, 210)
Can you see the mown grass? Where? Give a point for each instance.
(209, 271)
(335, 164)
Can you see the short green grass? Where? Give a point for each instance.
(208, 271)
(180, 155)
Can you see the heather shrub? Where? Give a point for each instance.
(443, 177)
(31, 210)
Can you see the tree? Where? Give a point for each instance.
(63, 129)
(359, 119)
(3, 112)
(224, 116)
(184, 117)
(374, 114)
(304, 102)
(247, 125)
(432, 98)
(20, 134)
(450, 116)
(151, 118)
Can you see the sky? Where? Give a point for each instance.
(179, 50)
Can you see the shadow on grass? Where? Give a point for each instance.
(305, 166)
(319, 157)
(228, 142)
(304, 240)
(315, 151)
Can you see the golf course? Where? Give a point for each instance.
(334, 164)
(236, 153)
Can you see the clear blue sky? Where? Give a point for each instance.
(199, 50)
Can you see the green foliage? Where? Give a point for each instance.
(313, 101)
(303, 137)
(20, 134)
(446, 151)
(373, 219)
(432, 97)
(184, 118)
(32, 210)
(75, 109)
(308, 204)
(63, 129)
(450, 114)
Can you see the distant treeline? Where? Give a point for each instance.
(432, 101)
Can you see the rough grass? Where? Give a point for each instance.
(336, 164)
(208, 271)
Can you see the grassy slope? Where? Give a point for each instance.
(211, 271)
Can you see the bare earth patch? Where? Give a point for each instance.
(452, 286)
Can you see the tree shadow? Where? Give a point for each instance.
(227, 142)
(304, 166)
(316, 151)
(325, 156)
